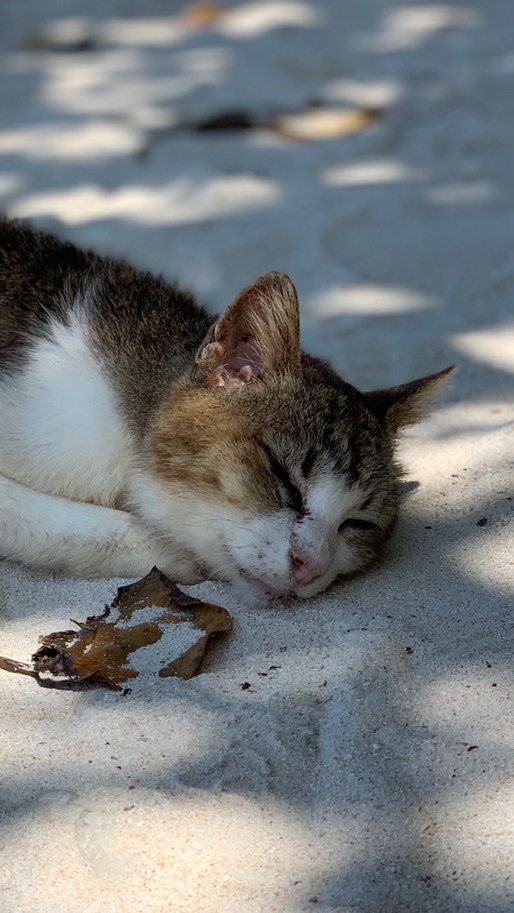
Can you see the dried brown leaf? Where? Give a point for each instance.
(317, 124)
(201, 15)
(105, 649)
(12, 665)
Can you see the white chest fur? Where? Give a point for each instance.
(60, 430)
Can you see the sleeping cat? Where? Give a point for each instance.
(137, 430)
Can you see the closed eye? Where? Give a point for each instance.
(294, 495)
(355, 523)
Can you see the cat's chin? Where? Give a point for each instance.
(252, 592)
(257, 594)
(256, 597)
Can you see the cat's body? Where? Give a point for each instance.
(134, 431)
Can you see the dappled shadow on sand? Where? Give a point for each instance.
(400, 241)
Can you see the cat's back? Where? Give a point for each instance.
(143, 330)
(43, 278)
(88, 348)
(34, 270)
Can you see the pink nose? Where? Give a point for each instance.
(303, 571)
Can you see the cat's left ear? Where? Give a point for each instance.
(257, 335)
(408, 403)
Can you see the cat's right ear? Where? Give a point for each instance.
(257, 335)
(408, 403)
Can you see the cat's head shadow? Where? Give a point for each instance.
(406, 489)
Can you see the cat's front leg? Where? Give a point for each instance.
(85, 540)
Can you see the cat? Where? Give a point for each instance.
(138, 430)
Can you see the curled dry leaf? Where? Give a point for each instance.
(317, 124)
(151, 628)
(314, 124)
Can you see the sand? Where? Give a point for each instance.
(369, 765)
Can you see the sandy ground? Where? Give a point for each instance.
(369, 767)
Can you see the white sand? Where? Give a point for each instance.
(369, 767)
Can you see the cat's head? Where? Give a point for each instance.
(267, 468)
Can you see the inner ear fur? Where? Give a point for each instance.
(257, 335)
(407, 403)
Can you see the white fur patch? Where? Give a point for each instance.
(189, 521)
(330, 501)
(63, 439)
(61, 431)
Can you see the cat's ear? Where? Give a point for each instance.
(408, 403)
(257, 335)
